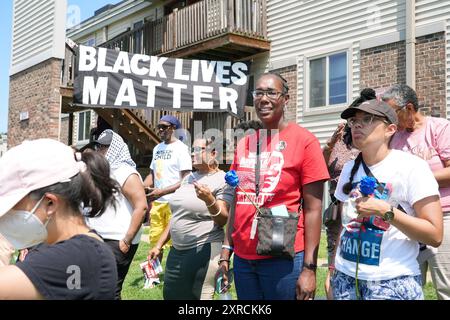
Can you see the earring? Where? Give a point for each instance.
(216, 164)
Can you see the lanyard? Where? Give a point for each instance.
(257, 165)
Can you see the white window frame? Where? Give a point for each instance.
(347, 48)
(84, 141)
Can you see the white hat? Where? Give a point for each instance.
(33, 165)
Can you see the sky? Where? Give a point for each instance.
(86, 9)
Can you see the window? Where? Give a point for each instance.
(328, 80)
(84, 126)
(90, 42)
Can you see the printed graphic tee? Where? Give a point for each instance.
(430, 143)
(385, 252)
(289, 160)
(167, 163)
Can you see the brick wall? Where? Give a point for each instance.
(64, 136)
(35, 90)
(290, 74)
(383, 66)
(430, 73)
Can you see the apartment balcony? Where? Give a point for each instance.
(209, 29)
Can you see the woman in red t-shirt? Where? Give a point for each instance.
(292, 171)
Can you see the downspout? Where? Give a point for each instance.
(411, 43)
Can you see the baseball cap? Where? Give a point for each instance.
(375, 107)
(105, 138)
(32, 165)
(172, 120)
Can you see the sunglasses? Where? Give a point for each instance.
(163, 127)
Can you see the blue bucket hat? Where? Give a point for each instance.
(172, 120)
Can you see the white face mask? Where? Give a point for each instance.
(22, 228)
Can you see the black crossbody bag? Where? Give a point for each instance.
(276, 234)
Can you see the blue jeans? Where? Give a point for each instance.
(267, 279)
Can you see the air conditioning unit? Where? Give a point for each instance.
(24, 116)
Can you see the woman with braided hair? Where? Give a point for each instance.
(390, 202)
(337, 151)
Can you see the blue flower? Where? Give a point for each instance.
(231, 178)
(367, 185)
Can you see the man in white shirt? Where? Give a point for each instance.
(171, 162)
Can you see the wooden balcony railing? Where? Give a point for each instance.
(198, 22)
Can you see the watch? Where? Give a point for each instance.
(389, 215)
(310, 266)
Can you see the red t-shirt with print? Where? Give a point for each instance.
(289, 160)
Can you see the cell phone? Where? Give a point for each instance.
(225, 288)
(220, 285)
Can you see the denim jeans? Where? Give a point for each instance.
(267, 279)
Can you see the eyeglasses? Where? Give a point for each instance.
(197, 149)
(364, 121)
(163, 127)
(271, 94)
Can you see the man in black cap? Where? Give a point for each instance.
(171, 162)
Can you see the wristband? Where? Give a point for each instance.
(223, 260)
(126, 243)
(230, 248)
(310, 266)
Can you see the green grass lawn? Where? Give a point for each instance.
(133, 288)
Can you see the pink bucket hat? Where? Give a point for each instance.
(33, 165)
